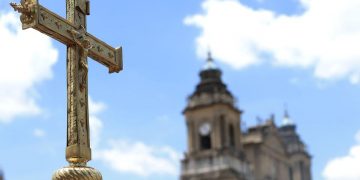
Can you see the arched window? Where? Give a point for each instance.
(291, 173)
(222, 131)
(231, 135)
(302, 170)
(205, 142)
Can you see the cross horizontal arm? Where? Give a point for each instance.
(38, 17)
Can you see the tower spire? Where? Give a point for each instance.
(209, 58)
(210, 64)
(286, 113)
(286, 120)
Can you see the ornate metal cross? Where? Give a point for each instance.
(80, 45)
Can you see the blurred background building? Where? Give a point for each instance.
(219, 150)
(1, 175)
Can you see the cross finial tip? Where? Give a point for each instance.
(209, 58)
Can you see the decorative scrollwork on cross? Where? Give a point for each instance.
(27, 10)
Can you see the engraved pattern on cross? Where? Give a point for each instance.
(80, 45)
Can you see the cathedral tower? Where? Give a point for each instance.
(213, 129)
(299, 158)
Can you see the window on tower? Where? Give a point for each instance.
(291, 173)
(222, 131)
(302, 170)
(205, 142)
(232, 135)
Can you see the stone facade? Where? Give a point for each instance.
(276, 152)
(219, 150)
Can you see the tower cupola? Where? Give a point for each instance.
(211, 89)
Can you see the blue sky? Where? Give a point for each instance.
(302, 53)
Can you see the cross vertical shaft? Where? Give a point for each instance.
(78, 144)
(80, 45)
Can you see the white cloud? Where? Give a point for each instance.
(357, 137)
(141, 159)
(325, 37)
(39, 133)
(95, 108)
(131, 157)
(26, 60)
(346, 167)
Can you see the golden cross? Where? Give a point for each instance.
(80, 44)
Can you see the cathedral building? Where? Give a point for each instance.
(1, 175)
(219, 150)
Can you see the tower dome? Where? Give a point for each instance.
(211, 89)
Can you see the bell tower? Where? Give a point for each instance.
(299, 157)
(213, 130)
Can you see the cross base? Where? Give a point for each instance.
(77, 172)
